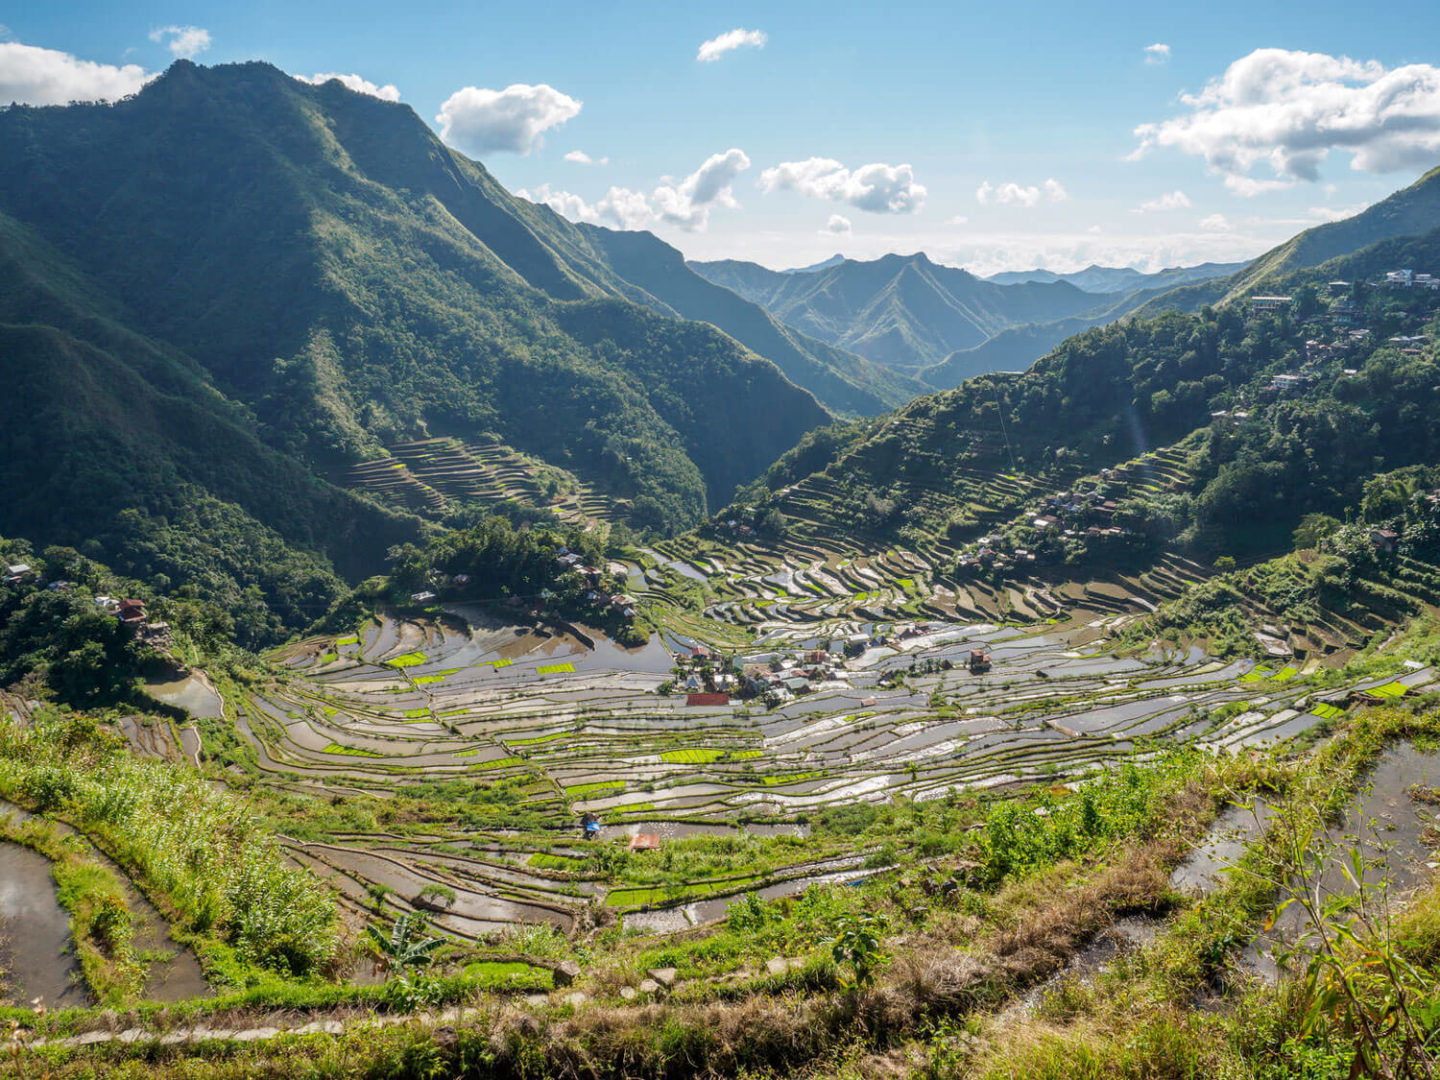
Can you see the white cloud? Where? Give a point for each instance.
(621, 207)
(1335, 213)
(958, 219)
(354, 82)
(838, 225)
(876, 188)
(683, 203)
(182, 41)
(580, 157)
(687, 203)
(1215, 223)
(30, 75)
(1175, 200)
(1010, 193)
(716, 47)
(1287, 110)
(1157, 54)
(513, 120)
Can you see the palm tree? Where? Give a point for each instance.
(405, 947)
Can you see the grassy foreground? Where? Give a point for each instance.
(957, 941)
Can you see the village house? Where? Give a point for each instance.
(1260, 304)
(1384, 539)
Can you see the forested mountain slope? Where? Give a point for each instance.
(1280, 415)
(1412, 210)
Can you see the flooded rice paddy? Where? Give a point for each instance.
(581, 725)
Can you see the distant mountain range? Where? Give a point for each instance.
(914, 315)
(1118, 279)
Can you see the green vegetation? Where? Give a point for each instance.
(198, 849)
(366, 283)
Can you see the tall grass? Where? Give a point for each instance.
(202, 848)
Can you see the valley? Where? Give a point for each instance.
(442, 635)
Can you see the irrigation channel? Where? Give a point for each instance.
(579, 726)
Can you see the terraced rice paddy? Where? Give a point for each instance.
(431, 474)
(578, 725)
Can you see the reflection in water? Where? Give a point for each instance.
(38, 960)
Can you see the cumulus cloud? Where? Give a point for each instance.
(687, 203)
(1216, 223)
(684, 203)
(1175, 200)
(716, 47)
(838, 225)
(876, 188)
(580, 157)
(182, 41)
(621, 207)
(1010, 193)
(30, 75)
(1157, 54)
(512, 120)
(354, 82)
(1287, 110)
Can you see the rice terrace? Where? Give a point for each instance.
(510, 570)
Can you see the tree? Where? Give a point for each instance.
(859, 944)
(404, 947)
(1312, 529)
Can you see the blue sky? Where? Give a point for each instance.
(1015, 120)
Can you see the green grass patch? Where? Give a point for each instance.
(353, 639)
(555, 669)
(1390, 690)
(497, 975)
(1327, 712)
(637, 895)
(705, 757)
(790, 778)
(409, 659)
(535, 740)
(499, 763)
(545, 861)
(496, 664)
(353, 751)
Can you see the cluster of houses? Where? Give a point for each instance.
(1072, 515)
(571, 562)
(1408, 279)
(1340, 347)
(704, 676)
(131, 614)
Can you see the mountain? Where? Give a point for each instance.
(228, 289)
(1113, 279)
(841, 381)
(1227, 459)
(1020, 346)
(824, 264)
(1411, 211)
(900, 310)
